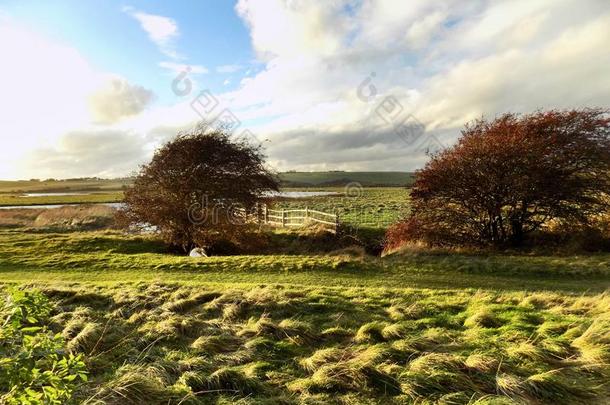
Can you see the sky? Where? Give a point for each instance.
(93, 88)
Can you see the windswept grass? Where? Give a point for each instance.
(160, 343)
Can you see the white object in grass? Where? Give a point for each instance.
(198, 252)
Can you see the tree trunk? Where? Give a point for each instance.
(517, 232)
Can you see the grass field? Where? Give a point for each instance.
(300, 325)
(157, 328)
(367, 206)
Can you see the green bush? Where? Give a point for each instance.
(34, 368)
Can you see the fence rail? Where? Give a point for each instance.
(293, 217)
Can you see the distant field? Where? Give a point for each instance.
(12, 193)
(307, 179)
(369, 206)
(58, 186)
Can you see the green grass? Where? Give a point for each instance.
(370, 207)
(111, 256)
(163, 343)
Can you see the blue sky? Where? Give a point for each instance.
(86, 86)
(210, 34)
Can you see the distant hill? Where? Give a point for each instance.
(338, 178)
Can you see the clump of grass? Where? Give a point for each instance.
(511, 386)
(216, 344)
(344, 377)
(541, 300)
(336, 332)
(233, 380)
(86, 339)
(134, 385)
(172, 327)
(481, 363)
(73, 327)
(233, 310)
(396, 331)
(301, 330)
(227, 380)
(257, 369)
(371, 332)
(432, 361)
(288, 328)
(525, 350)
(435, 375)
(483, 318)
(347, 370)
(594, 343)
(399, 312)
(324, 356)
(184, 304)
(552, 386)
(552, 328)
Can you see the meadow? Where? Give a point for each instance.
(312, 321)
(13, 193)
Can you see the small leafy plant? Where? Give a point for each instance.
(34, 367)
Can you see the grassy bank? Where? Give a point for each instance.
(111, 256)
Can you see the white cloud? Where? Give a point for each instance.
(49, 90)
(229, 68)
(447, 61)
(296, 27)
(103, 153)
(161, 30)
(117, 100)
(182, 67)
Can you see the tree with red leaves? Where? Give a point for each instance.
(510, 176)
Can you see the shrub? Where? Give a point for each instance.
(192, 186)
(33, 365)
(509, 177)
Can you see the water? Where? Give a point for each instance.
(55, 194)
(47, 206)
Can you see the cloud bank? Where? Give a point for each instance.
(326, 75)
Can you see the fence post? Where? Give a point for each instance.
(306, 214)
(283, 218)
(336, 222)
(265, 214)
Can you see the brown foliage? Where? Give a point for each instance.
(190, 189)
(510, 176)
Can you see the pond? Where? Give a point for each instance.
(67, 193)
(47, 206)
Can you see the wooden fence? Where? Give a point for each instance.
(294, 218)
